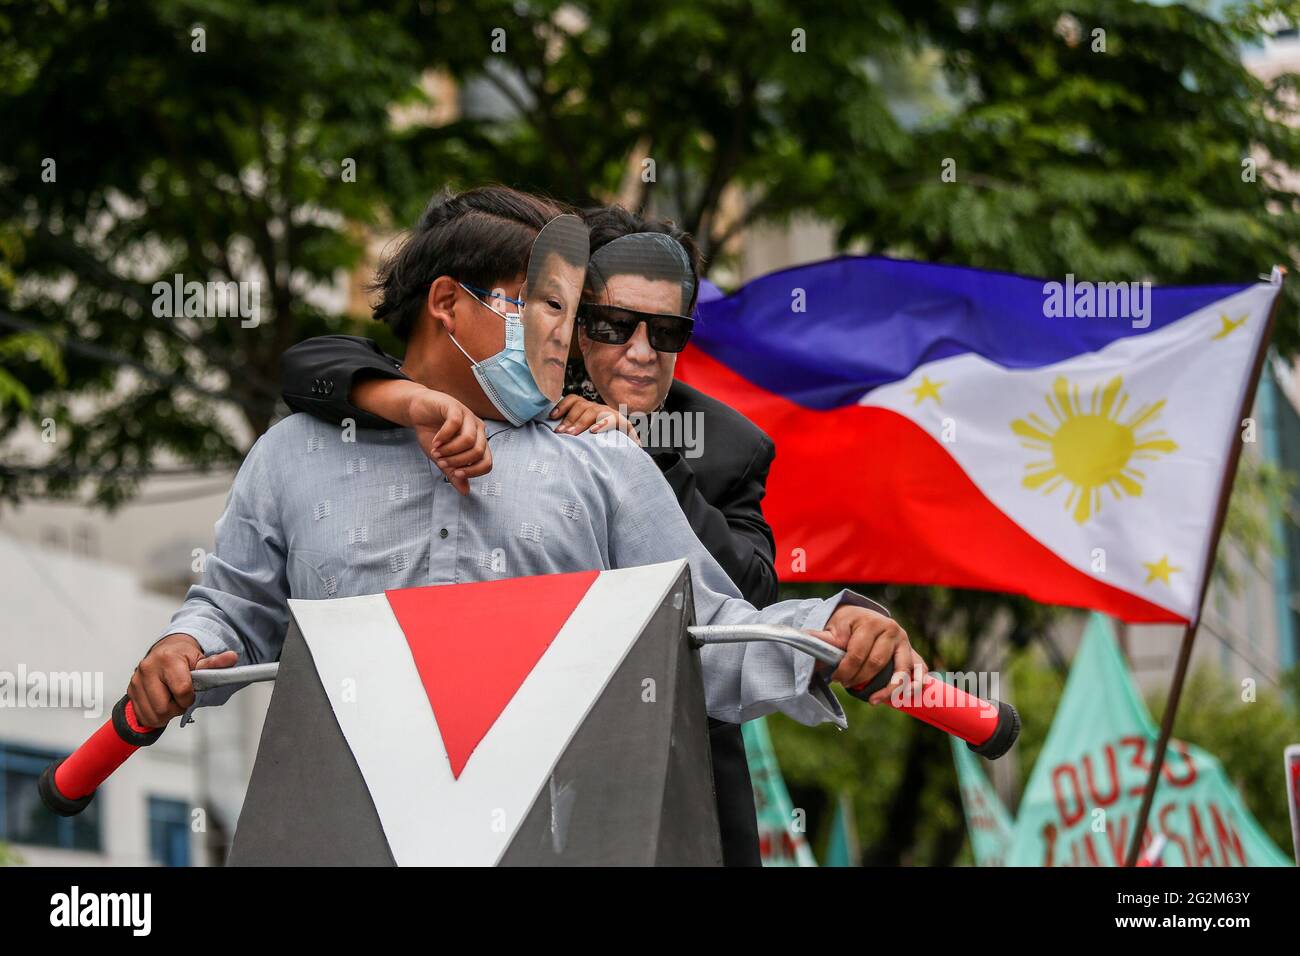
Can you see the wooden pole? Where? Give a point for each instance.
(1189, 632)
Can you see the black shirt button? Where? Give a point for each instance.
(442, 533)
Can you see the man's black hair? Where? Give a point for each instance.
(478, 237)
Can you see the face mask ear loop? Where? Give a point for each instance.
(462, 350)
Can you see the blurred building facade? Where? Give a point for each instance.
(72, 631)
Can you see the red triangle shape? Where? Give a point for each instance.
(474, 645)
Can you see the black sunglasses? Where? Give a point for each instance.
(614, 325)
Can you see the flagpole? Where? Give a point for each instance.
(1189, 632)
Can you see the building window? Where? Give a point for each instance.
(24, 819)
(169, 832)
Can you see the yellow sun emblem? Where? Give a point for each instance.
(1090, 450)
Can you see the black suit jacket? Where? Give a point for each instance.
(720, 491)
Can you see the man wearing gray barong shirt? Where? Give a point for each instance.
(313, 516)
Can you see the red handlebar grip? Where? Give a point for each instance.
(988, 727)
(951, 709)
(68, 785)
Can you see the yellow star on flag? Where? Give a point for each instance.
(927, 389)
(1159, 570)
(1228, 327)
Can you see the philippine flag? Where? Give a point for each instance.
(944, 425)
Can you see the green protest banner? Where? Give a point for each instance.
(1082, 800)
(987, 820)
(842, 849)
(781, 837)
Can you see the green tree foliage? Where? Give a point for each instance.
(131, 156)
(1106, 138)
(771, 96)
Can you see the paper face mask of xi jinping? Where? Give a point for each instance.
(557, 269)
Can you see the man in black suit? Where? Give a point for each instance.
(715, 459)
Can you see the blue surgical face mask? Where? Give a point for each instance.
(505, 377)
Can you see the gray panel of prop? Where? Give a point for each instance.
(307, 802)
(689, 834)
(634, 786)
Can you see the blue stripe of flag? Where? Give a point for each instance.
(871, 320)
